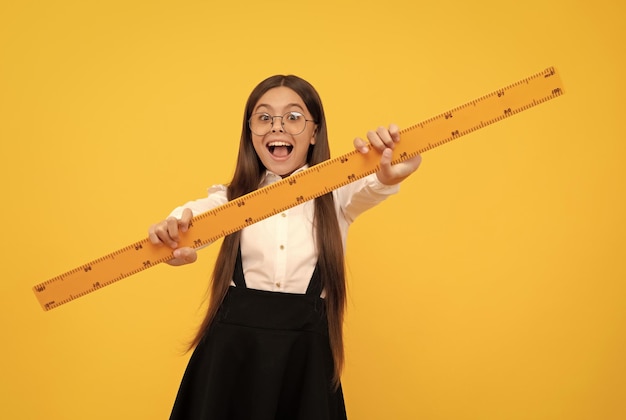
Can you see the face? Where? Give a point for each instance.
(281, 152)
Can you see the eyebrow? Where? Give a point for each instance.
(270, 107)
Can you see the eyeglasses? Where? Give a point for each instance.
(292, 123)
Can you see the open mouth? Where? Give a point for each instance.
(279, 148)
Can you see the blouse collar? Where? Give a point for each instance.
(270, 177)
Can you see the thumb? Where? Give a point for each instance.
(185, 255)
(385, 163)
(385, 159)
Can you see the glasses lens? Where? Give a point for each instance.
(260, 123)
(292, 122)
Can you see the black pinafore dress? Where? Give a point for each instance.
(266, 356)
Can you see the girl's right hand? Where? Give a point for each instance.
(167, 232)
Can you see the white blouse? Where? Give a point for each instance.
(279, 253)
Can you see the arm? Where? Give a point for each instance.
(359, 196)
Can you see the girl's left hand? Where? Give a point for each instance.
(384, 140)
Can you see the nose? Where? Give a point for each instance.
(277, 121)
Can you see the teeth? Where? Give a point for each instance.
(278, 143)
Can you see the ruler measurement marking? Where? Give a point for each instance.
(303, 186)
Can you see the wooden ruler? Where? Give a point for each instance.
(303, 186)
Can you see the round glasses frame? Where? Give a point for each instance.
(269, 122)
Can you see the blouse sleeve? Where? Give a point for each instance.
(215, 198)
(361, 195)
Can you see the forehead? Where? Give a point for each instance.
(280, 98)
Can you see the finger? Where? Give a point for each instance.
(386, 137)
(361, 145)
(172, 228)
(185, 220)
(394, 131)
(152, 235)
(375, 140)
(162, 232)
(158, 232)
(159, 235)
(380, 139)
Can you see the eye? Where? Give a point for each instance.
(263, 117)
(293, 116)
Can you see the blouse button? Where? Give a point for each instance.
(278, 285)
(282, 247)
(284, 214)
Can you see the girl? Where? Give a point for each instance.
(271, 344)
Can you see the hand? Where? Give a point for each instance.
(167, 232)
(384, 140)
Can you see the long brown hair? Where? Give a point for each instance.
(248, 174)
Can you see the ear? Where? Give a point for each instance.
(314, 136)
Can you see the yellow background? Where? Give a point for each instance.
(492, 287)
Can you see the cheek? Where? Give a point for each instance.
(256, 143)
(303, 154)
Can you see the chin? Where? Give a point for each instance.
(284, 173)
(283, 170)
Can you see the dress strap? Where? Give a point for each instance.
(238, 277)
(315, 284)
